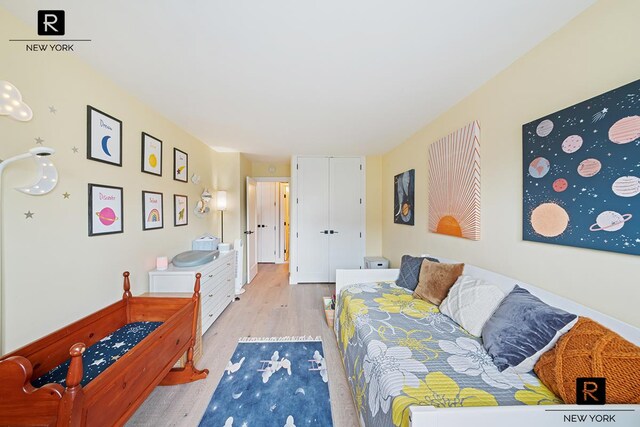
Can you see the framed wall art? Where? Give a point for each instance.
(180, 165)
(152, 213)
(151, 154)
(105, 210)
(581, 174)
(454, 183)
(404, 198)
(180, 210)
(104, 137)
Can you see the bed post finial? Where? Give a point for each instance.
(196, 288)
(127, 286)
(74, 374)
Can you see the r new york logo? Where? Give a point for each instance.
(51, 25)
(591, 391)
(51, 22)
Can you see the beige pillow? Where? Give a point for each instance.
(435, 280)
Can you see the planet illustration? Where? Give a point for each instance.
(153, 160)
(626, 186)
(549, 219)
(405, 209)
(105, 147)
(589, 167)
(560, 185)
(625, 130)
(539, 167)
(571, 144)
(610, 221)
(107, 216)
(544, 127)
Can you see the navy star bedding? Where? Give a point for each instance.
(98, 357)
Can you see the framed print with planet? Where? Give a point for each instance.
(152, 213)
(105, 210)
(581, 174)
(104, 137)
(180, 210)
(404, 198)
(180, 165)
(151, 155)
(454, 183)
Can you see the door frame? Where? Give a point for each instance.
(293, 213)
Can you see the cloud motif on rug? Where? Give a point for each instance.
(319, 365)
(289, 422)
(232, 368)
(229, 422)
(274, 365)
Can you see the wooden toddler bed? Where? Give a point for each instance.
(115, 393)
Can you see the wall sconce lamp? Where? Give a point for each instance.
(202, 207)
(11, 103)
(221, 205)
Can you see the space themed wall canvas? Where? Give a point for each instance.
(581, 174)
(404, 197)
(454, 183)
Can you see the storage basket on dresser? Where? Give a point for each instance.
(217, 284)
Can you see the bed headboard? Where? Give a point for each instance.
(350, 277)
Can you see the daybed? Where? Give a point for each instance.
(410, 365)
(158, 331)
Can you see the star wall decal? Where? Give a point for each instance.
(28, 215)
(52, 109)
(66, 195)
(74, 149)
(39, 140)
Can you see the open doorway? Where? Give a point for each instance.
(267, 223)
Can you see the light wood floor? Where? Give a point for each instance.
(269, 308)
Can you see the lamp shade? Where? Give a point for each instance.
(221, 200)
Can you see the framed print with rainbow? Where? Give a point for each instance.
(180, 165)
(180, 210)
(581, 174)
(151, 154)
(104, 137)
(152, 214)
(105, 210)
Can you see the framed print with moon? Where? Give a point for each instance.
(151, 154)
(180, 210)
(152, 212)
(404, 197)
(104, 137)
(105, 210)
(581, 174)
(180, 165)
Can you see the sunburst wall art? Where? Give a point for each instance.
(454, 183)
(581, 174)
(403, 199)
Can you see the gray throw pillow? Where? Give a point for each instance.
(410, 271)
(521, 329)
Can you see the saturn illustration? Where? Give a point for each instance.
(610, 221)
(107, 216)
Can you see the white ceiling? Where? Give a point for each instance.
(284, 77)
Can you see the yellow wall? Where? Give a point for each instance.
(53, 272)
(594, 53)
(261, 169)
(373, 208)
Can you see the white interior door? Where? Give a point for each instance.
(267, 221)
(312, 249)
(252, 222)
(345, 214)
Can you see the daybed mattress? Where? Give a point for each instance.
(400, 351)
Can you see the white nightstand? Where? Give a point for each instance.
(217, 284)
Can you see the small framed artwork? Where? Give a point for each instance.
(180, 210)
(151, 155)
(105, 210)
(104, 137)
(403, 199)
(180, 165)
(152, 214)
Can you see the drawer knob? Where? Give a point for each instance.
(211, 275)
(228, 263)
(210, 295)
(211, 315)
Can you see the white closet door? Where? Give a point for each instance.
(313, 219)
(345, 215)
(267, 217)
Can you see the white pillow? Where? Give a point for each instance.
(471, 302)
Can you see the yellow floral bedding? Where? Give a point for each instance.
(400, 351)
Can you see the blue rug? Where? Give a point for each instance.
(280, 382)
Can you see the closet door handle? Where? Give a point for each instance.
(333, 232)
(324, 232)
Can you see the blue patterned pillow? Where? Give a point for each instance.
(523, 328)
(410, 271)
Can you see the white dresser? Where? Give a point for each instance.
(217, 284)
